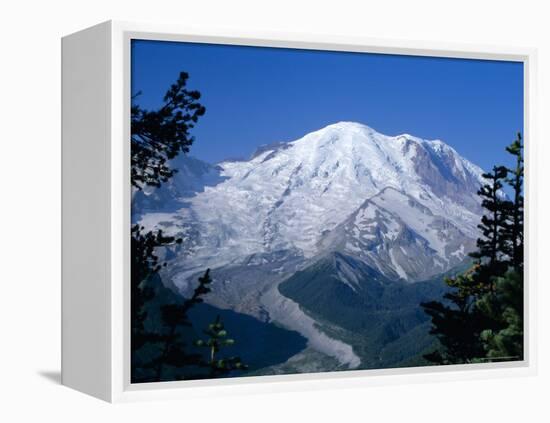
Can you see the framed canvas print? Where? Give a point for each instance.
(262, 212)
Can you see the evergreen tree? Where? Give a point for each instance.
(174, 316)
(217, 339)
(145, 265)
(456, 322)
(482, 317)
(513, 228)
(156, 137)
(490, 259)
(506, 308)
(504, 340)
(160, 135)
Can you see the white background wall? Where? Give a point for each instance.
(30, 207)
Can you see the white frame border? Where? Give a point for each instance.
(121, 389)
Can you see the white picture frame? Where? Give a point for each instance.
(96, 213)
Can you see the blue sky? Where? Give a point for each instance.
(256, 95)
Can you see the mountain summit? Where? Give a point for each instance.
(404, 205)
(344, 227)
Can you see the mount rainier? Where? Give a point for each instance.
(322, 234)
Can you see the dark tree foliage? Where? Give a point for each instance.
(454, 332)
(506, 308)
(513, 228)
(504, 340)
(217, 339)
(456, 322)
(157, 137)
(145, 264)
(172, 343)
(489, 256)
(160, 135)
(481, 319)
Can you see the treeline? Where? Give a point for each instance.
(481, 317)
(162, 344)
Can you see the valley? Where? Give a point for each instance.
(337, 236)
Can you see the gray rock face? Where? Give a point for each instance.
(438, 166)
(400, 238)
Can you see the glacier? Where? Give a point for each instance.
(405, 206)
(290, 197)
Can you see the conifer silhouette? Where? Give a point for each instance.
(217, 339)
(173, 352)
(156, 137)
(160, 135)
(482, 317)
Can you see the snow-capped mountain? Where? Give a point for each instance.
(405, 206)
(339, 235)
